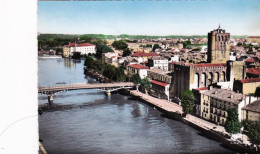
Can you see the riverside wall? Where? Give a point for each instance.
(223, 138)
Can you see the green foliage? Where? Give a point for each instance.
(135, 78)
(131, 41)
(239, 44)
(146, 45)
(126, 52)
(186, 43)
(59, 50)
(76, 55)
(109, 71)
(145, 82)
(232, 124)
(252, 130)
(187, 101)
(120, 45)
(155, 46)
(102, 48)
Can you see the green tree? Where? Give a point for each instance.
(102, 48)
(155, 46)
(232, 124)
(76, 55)
(126, 52)
(186, 43)
(145, 83)
(120, 45)
(252, 130)
(187, 101)
(135, 78)
(59, 51)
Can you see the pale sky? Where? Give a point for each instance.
(175, 17)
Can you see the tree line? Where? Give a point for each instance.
(107, 70)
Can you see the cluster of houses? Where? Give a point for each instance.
(221, 74)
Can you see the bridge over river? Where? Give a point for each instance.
(108, 87)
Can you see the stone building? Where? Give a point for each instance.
(158, 62)
(66, 52)
(253, 39)
(251, 111)
(218, 68)
(161, 81)
(253, 73)
(247, 86)
(137, 69)
(216, 102)
(218, 47)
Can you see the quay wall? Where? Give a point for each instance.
(205, 132)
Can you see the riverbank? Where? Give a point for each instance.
(94, 74)
(208, 129)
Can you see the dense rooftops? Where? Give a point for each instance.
(138, 66)
(159, 71)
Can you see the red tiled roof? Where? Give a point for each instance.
(160, 83)
(210, 65)
(250, 80)
(143, 54)
(251, 60)
(254, 70)
(138, 66)
(202, 88)
(79, 45)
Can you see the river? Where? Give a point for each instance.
(117, 124)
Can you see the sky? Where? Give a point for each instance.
(144, 17)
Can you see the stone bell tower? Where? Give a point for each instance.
(218, 47)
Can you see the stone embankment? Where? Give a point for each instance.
(209, 129)
(94, 74)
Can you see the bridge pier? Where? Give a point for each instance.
(108, 93)
(50, 100)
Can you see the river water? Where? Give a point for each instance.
(117, 124)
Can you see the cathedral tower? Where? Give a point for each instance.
(218, 47)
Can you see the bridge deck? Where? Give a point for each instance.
(86, 86)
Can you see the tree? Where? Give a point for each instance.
(120, 45)
(102, 48)
(145, 83)
(76, 55)
(126, 52)
(186, 43)
(135, 78)
(155, 46)
(59, 51)
(187, 101)
(232, 124)
(252, 130)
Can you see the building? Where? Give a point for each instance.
(158, 62)
(83, 48)
(110, 58)
(253, 73)
(216, 102)
(251, 111)
(247, 86)
(197, 96)
(218, 47)
(141, 70)
(144, 56)
(161, 81)
(66, 52)
(160, 89)
(253, 39)
(218, 68)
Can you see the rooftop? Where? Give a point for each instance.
(226, 95)
(255, 106)
(250, 80)
(253, 36)
(160, 83)
(143, 54)
(159, 71)
(79, 45)
(253, 70)
(138, 66)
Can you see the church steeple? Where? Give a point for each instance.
(219, 26)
